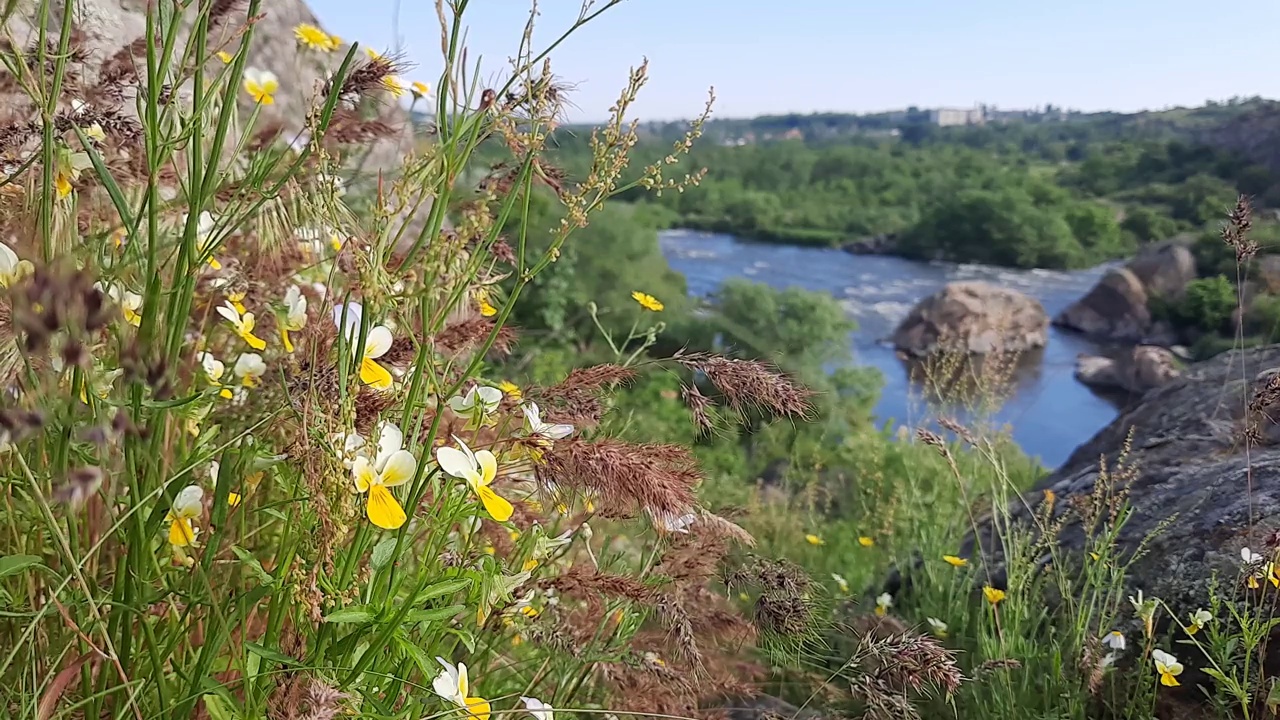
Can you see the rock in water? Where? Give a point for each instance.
(975, 318)
(1117, 308)
(1136, 370)
(1198, 488)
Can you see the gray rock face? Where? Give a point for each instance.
(1116, 309)
(973, 317)
(1136, 370)
(1199, 490)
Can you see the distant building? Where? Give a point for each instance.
(947, 117)
(793, 134)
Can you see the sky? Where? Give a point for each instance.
(779, 56)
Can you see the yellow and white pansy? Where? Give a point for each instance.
(537, 428)
(1167, 667)
(841, 582)
(538, 709)
(391, 467)
(453, 685)
(243, 324)
(883, 603)
(67, 168)
(376, 344)
(477, 404)
(938, 627)
(214, 369)
(479, 470)
(261, 85)
(295, 315)
(250, 368)
(1199, 619)
(12, 269)
(130, 302)
(187, 506)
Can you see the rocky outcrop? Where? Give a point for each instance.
(975, 318)
(1117, 309)
(883, 244)
(1135, 371)
(1198, 490)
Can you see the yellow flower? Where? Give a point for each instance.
(814, 539)
(376, 56)
(262, 85)
(866, 541)
(295, 319)
(955, 561)
(314, 38)
(648, 302)
(509, 389)
(213, 370)
(452, 685)
(95, 133)
(376, 344)
(67, 169)
(250, 368)
(479, 470)
(482, 302)
(386, 471)
(243, 325)
(392, 84)
(237, 301)
(225, 57)
(186, 507)
(993, 595)
(1199, 619)
(883, 603)
(529, 565)
(420, 89)
(1167, 667)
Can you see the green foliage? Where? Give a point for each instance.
(1207, 305)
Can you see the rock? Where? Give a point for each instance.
(1117, 308)
(1136, 370)
(975, 318)
(882, 244)
(1267, 271)
(1198, 491)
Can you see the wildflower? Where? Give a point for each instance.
(648, 302)
(482, 301)
(130, 303)
(866, 541)
(204, 236)
(841, 583)
(350, 446)
(250, 368)
(538, 709)
(955, 561)
(939, 628)
(237, 300)
(993, 595)
(11, 268)
(261, 85)
(186, 506)
(883, 603)
(295, 304)
(314, 38)
(315, 238)
(1145, 609)
(1167, 667)
(243, 325)
(224, 56)
(1114, 640)
(814, 539)
(95, 133)
(547, 431)
(396, 468)
(419, 89)
(393, 85)
(376, 344)
(67, 169)
(452, 685)
(1199, 619)
(213, 370)
(510, 389)
(479, 402)
(478, 469)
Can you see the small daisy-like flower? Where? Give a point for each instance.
(955, 561)
(419, 89)
(841, 583)
(866, 541)
(393, 85)
(243, 325)
(295, 317)
(993, 595)
(938, 627)
(375, 56)
(262, 85)
(883, 603)
(1167, 667)
(1114, 640)
(647, 301)
(250, 368)
(314, 38)
(814, 539)
(1199, 619)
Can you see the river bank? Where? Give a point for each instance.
(1049, 412)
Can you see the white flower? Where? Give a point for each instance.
(350, 446)
(1202, 617)
(299, 144)
(538, 709)
(11, 268)
(1250, 557)
(295, 304)
(249, 368)
(480, 398)
(939, 627)
(840, 582)
(1114, 640)
(451, 683)
(213, 367)
(188, 502)
(883, 603)
(390, 441)
(533, 421)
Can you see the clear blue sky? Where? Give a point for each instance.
(864, 55)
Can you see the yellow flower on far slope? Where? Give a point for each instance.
(243, 325)
(314, 38)
(262, 85)
(866, 540)
(1167, 667)
(647, 301)
(993, 595)
(955, 561)
(382, 507)
(814, 539)
(453, 685)
(479, 469)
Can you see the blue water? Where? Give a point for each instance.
(1049, 411)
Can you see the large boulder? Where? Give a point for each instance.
(1135, 370)
(1117, 308)
(975, 318)
(1202, 481)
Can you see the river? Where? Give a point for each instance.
(1049, 411)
